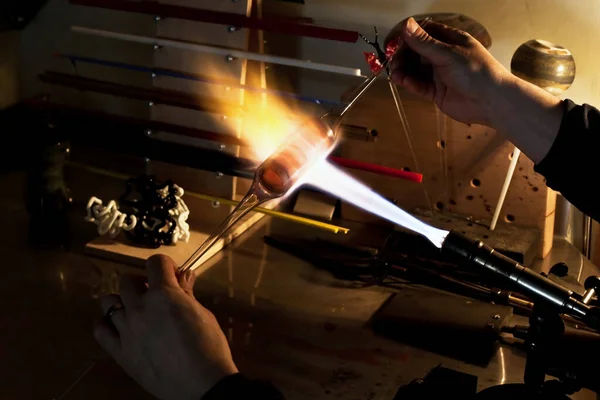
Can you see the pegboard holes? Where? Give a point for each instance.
(440, 144)
(439, 206)
(469, 197)
(486, 237)
(535, 189)
(469, 137)
(510, 156)
(452, 202)
(475, 182)
(407, 169)
(509, 218)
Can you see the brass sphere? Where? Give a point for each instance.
(454, 20)
(545, 64)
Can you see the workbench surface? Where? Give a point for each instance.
(286, 320)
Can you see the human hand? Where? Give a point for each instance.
(162, 337)
(448, 66)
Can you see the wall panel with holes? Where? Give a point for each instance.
(463, 170)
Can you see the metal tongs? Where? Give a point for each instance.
(335, 116)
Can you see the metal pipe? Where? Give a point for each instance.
(193, 77)
(157, 96)
(222, 51)
(74, 116)
(173, 98)
(279, 25)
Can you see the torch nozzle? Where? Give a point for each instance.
(540, 289)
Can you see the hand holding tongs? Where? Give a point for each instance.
(337, 114)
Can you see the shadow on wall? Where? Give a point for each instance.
(50, 33)
(9, 63)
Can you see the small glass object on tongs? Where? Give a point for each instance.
(335, 116)
(312, 142)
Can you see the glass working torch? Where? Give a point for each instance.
(540, 289)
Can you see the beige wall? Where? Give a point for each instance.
(572, 23)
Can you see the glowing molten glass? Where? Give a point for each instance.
(311, 142)
(307, 146)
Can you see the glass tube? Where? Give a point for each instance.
(276, 176)
(251, 200)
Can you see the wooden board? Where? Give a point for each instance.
(121, 251)
(468, 183)
(84, 184)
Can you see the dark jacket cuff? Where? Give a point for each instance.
(571, 163)
(238, 386)
(552, 166)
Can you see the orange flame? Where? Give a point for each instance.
(266, 125)
(262, 121)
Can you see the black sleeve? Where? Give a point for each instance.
(238, 386)
(572, 165)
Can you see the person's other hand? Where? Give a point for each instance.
(164, 338)
(448, 66)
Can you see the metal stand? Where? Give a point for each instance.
(543, 339)
(545, 332)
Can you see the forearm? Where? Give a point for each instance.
(528, 116)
